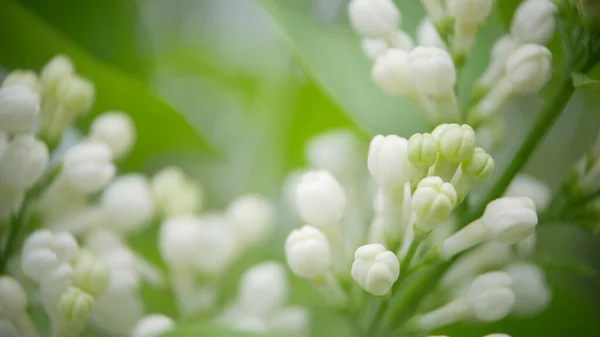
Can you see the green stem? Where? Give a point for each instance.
(17, 227)
(550, 111)
(410, 254)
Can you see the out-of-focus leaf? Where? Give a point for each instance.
(108, 29)
(29, 43)
(332, 56)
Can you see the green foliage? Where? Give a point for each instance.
(32, 42)
(195, 330)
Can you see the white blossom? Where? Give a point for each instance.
(26, 78)
(88, 166)
(456, 142)
(44, 251)
(432, 202)
(308, 253)
(392, 73)
(75, 307)
(263, 288)
(428, 36)
(375, 269)
(90, 273)
(374, 18)
(432, 70)
(388, 161)
(532, 293)
(534, 21)
(529, 68)
(116, 130)
(128, 203)
(24, 161)
(472, 11)
(19, 106)
(153, 326)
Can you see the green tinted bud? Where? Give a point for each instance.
(480, 166)
(457, 142)
(75, 307)
(432, 202)
(422, 150)
(90, 273)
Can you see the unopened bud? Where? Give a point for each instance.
(480, 166)
(375, 269)
(374, 18)
(24, 161)
(457, 142)
(534, 21)
(75, 307)
(19, 106)
(90, 273)
(116, 130)
(422, 150)
(308, 253)
(529, 68)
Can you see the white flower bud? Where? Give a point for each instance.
(472, 11)
(263, 288)
(308, 253)
(43, 252)
(24, 161)
(428, 36)
(532, 293)
(320, 199)
(116, 130)
(534, 22)
(494, 304)
(118, 313)
(432, 202)
(19, 106)
(252, 218)
(432, 70)
(217, 245)
(56, 283)
(175, 194)
(490, 296)
(153, 326)
(375, 269)
(128, 203)
(27, 78)
(76, 94)
(480, 166)
(179, 238)
(510, 219)
(529, 68)
(374, 18)
(374, 48)
(392, 73)
(524, 185)
(456, 142)
(59, 68)
(422, 150)
(292, 321)
(90, 273)
(75, 307)
(388, 161)
(88, 167)
(13, 298)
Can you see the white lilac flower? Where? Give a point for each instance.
(88, 166)
(153, 326)
(534, 21)
(320, 199)
(24, 161)
(116, 130)
(374, 18)
(19, 106)
(128, 203)
(375, 269)
(252, 218)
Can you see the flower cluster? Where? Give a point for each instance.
(69, 213)
(422, 233)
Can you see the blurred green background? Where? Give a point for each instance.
(232, 89)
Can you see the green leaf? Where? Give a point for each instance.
(210, 330)
(331, 55)
(28, 42)
(108, 29)
(506, 9)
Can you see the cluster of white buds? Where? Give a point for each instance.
(378, 22)
(70, 279)
(205, 245)
(14, 320)
(260, 305)
(426, 75)
(23, 158)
